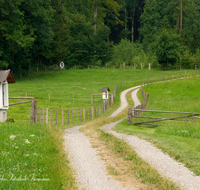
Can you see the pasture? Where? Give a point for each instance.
(178, 138)
(32, 156)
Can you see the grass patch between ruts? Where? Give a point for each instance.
(136, 170)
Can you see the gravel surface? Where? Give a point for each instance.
(89, 169)
(165, 165)
(124, 103)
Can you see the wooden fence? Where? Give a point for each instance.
(33, 106)
(68, 116)
(136, 110)
(158, 119)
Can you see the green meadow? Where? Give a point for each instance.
(62, 85)
(32, 155)
(179, 139)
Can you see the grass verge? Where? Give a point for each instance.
(32, 157)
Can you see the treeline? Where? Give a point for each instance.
(35, 33)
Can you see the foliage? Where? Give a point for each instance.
(132, 53)
(167, 47)
(38, 33)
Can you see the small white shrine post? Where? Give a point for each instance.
(6, 77)
(149, 67)
(105, 93)
(62, 65)
(105, 97)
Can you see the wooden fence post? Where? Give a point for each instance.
(43, 115)
(39, 115)
(92, 112)
(35, 110)
(98, 110)
(32, 119)
(80, 115)
(72, 116)
(51, 117)
(129, 115)
(47, 116)
(111, 98)
(87, 113)
(95, 112)
(83, 114)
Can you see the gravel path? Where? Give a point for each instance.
(89, 169)
(165, 165)
(124, 103)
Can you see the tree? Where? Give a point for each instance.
(167, 47)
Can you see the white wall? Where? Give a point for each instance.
(4, 86)
(105, 95)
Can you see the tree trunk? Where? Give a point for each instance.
(95, 15)
(125, 12)
(132, 20)
(140, 22)
(181, 16)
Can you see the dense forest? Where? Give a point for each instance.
(35, 33)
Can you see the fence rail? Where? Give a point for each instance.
(134, 112)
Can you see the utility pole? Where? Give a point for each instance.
(181, 16)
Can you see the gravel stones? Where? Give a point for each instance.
(89, 169)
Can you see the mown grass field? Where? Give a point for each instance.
(178, 138)
(62, 84)
(32, 155)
